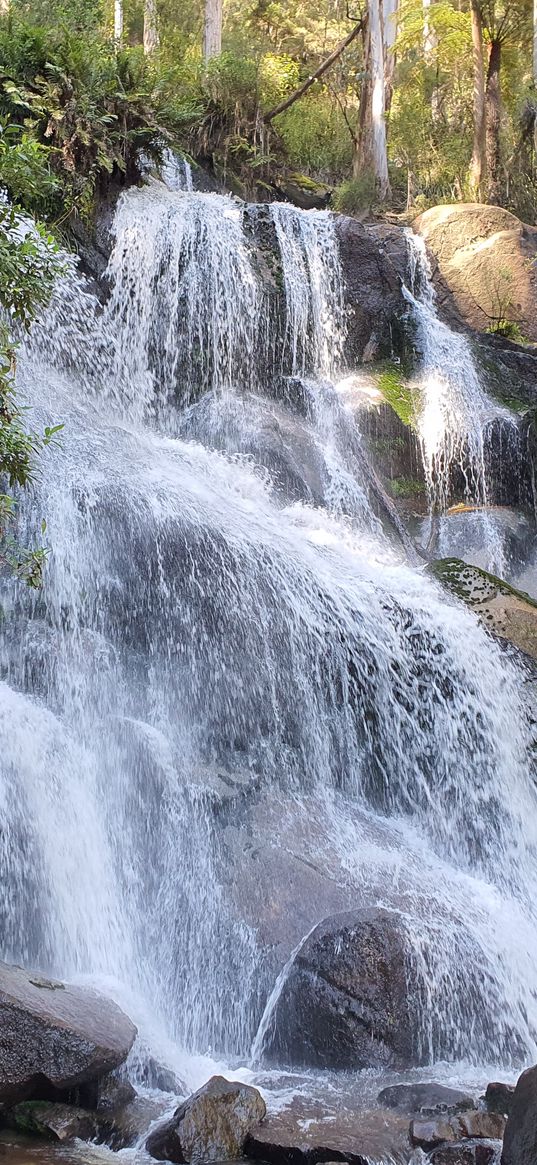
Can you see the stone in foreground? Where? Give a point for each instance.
(426, 1099)
(54, 1122)
(55, 1037)
(346, 1003)
(212, 1125)
(329, 1128)
(520, 1139)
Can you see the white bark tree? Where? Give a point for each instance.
(151, 38)
(390, 8)
(535, 42)
(372, 154)
(478, 164)
(118, 20)
(212, 29)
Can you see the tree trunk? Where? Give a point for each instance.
(478, 165)
(535, 43)
(390, 33)
(118, 21)
(323, 68)
(212, 32)
(372, 155)
(493, 122)
(151, 40)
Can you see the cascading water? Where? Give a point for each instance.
(454, 414)
(220, 662)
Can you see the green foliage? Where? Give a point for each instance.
(88, 112)
(28, 266)
(355, 195)
(406, 487)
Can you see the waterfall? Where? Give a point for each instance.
(454, 414)
(225, 660)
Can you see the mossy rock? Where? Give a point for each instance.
(398, 395)
(507, 612)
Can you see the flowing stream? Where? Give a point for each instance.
(230, 657)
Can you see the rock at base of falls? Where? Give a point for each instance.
(425, 1099)
(54, 1122)
(465, 1153)
(55, 1037)
(475, 1125)
(312, 1129)
(345, 1003)
(499, 1097)
(212, 1125)
(520, 1139)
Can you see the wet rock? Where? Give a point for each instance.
(55, 1036)
(520, 1138)
(464, 1153)
(114, 1093)
(54, 1122)
(473, 1124)
(320, 1128)
(487, 1125)
(499, 1097)
(123, 1127)
(508, 613)
(212, 1125)
(152, 1074)
(428, 1134)
(426, 1099)
(376, 308)
(345, 1003)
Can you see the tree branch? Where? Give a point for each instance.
(315, 76)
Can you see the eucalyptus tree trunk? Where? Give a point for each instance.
(372, 155)
(535, 43)
(390, 8)
(118, 21)
(151, 40)
(212, 31)
(478, 163)
(493, 123)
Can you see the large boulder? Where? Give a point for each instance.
(520, 1138)
(212, 1125)
(55, 1037)
(484, 265)
(345, 1002)
(329, 1128)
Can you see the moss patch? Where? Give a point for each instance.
(471, 583)
(398, 395)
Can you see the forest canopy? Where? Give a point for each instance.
(397, 103)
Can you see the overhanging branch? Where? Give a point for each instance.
(316, 75)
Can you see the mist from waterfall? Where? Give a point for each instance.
(229, 654)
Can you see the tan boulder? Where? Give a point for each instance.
(486, 264)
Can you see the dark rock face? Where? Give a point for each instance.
(463, 1153)
(520, 1139)
(376, 306)
(345, 1003)
(211, 1126)
(499, 1097)
(55, 1037)
(426, 1099)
